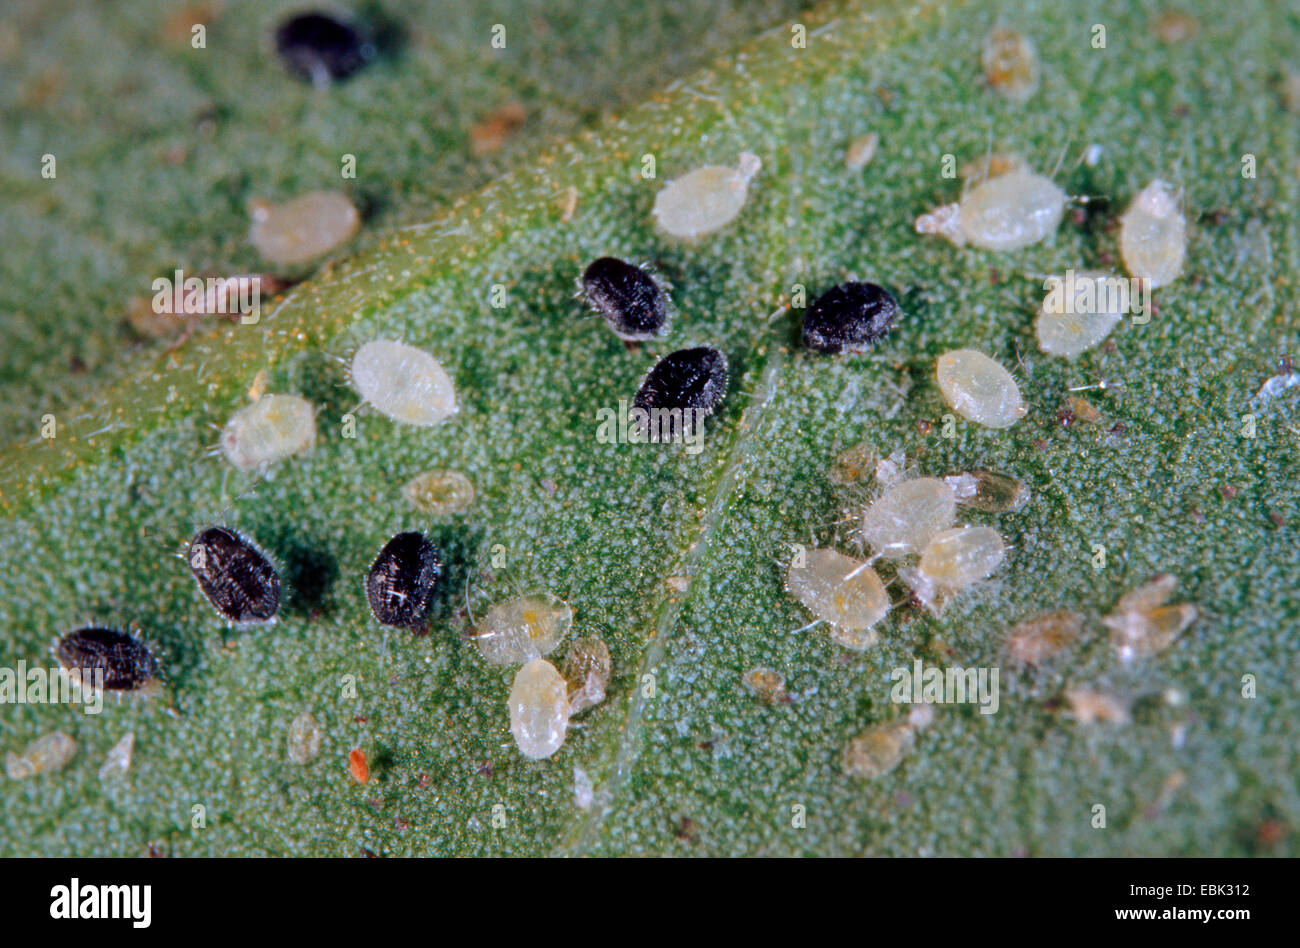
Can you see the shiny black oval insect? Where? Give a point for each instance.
(402, 580)
(235, 575)
(126, 663)
(851, 317)
(318, 48)
(691, 381)
(627, 297)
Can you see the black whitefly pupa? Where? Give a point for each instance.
(235, 575)
(127, 663)
(627, 297)
(402, 580)
(851, 317)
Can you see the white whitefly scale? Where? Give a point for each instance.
(904, 518)
(1153, 235)
(979, 388)
(706, 199)
(539, 709)
(303, 228)
(954, 560)
(304, 739)
(403, 382)
(1007, 212)
(522, 628)
(1070, 327)
(841, 590)
(271, 429)
(48, 753)
(118, 761)
(439, 492)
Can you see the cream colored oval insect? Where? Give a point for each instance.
(404, 383)
(523, 628)
(1006, 212)
(903, 518)
(954, 560)
(46, 754)
(1153, 235)
(706, 199)
(979, 388)
(1079, 313)
(303, 228)
(841, 590)
(303, 743)
(439, 492)
(539, 709)
(271, 429)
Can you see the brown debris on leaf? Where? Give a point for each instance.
(1044, 637)
(494, 129)
(878, 750)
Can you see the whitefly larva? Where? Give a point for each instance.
(841, 590)
(706, 199)
(405, 383)
(1153, 235)
(47, 753)
(304, 227)
(953, 560)
(904, 518)
(271, 429)
(522, 628)
(979, 388)
(1006, 212)
(539, 709)
(1080, 312)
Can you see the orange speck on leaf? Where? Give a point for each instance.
(359, 767)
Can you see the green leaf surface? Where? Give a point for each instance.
(676, 561)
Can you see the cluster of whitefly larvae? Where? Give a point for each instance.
(913, 524)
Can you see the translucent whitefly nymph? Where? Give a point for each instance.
(271, 429)
(303, 228)
(1153, 235)
(118, 760)
(1010, 62)
(878, 750)
(539, 709)
(954, 560)
(1080, 313)
(403, 382)
(840, 590)
(904, 518)
(304, 739)
(439, 492)
(1044, 637)
(1007, 212)
(706, 199)
(1142, 624)
(979, 388)
(526, 627)
(47, 753)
